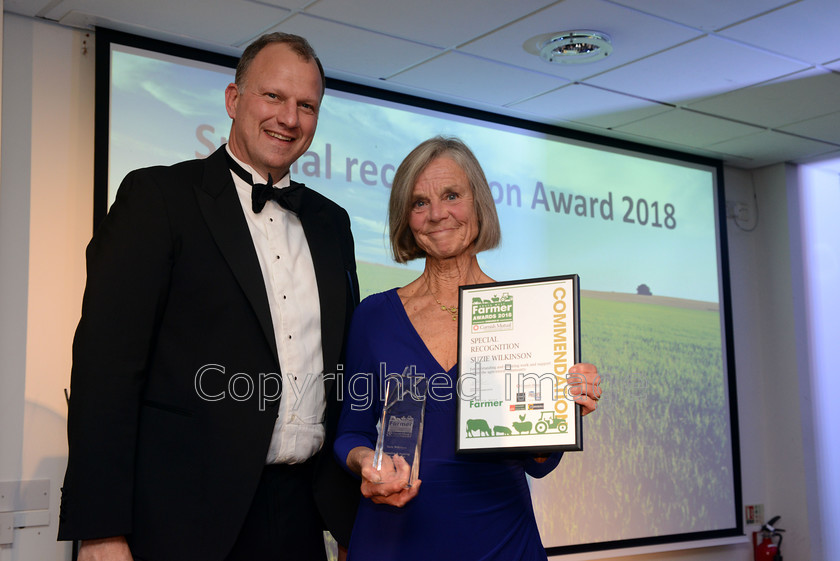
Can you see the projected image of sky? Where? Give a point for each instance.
(615, 219)
(157, 107)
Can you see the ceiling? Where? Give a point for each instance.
(750, 82)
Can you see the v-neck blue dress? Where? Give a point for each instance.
(468, 507)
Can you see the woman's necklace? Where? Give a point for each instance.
(453, 310)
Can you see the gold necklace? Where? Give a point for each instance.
(451, 309)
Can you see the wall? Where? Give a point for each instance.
(45, 222)
(815, 205)
(769, 376)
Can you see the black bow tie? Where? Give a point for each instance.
(288, 197)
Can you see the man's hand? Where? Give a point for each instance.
(105, 549)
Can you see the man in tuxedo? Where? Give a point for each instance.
(203, 392)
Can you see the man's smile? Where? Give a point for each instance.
(279, 136)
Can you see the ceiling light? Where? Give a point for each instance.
(570, 47)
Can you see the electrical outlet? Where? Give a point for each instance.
(738, 211)
(754, 514)
(742, 212)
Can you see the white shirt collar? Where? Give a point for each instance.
(255, 176)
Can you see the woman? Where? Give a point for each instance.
(469, 507)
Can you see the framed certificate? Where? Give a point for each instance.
(516, 342)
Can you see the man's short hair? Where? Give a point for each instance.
(295, 42)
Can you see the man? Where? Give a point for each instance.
(203, 300)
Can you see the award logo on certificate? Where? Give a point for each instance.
(401, 425)
(516, 342)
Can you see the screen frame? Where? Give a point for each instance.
(105, 37)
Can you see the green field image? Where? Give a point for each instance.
(656, 452)
(375, 278)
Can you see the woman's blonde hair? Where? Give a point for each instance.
(403, 244)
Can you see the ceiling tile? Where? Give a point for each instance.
(592, 106)
(233, 21)
(442, 23)
(86, 20)
(704, 67)
(688, 128)
(767, 147)
(788, 100)
(29, 8)
(808, 31)
(633, 35)
(487, 82)
(825, 127)
(707, 14)
(356, 51)
(647, 141)
(743, 61)
(287, 4)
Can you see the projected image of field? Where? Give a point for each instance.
(375, 278)
(663, 386)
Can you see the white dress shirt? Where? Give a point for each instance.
(292, 291)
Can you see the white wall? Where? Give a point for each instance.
(785, 275)
(815, 204)
(45, 223)
(46, 203)
(769, 377)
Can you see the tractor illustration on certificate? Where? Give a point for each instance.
(548, 420)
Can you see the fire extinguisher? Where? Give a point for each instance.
(768, 549)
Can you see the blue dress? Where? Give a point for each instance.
(468, 507)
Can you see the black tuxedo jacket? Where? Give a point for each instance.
(164, 449)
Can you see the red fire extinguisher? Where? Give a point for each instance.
(768, 549)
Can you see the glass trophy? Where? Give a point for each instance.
(401, 425)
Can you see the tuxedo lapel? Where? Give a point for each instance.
(222, 211)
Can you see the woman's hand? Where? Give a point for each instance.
(105, 549)
(388, 485)
(585, 386)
